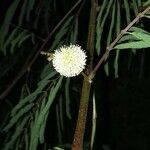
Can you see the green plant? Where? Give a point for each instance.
(43, 91)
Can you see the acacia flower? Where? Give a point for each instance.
(69, 60)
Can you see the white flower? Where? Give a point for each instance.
(69, 61)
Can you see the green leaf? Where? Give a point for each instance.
(106, 69)
(135, 45)
(147, 16)
(42, 129)
(10, 38)
(147, 3)
(109, 38)
(41, 116)
(127, 37)
(142, 36)
(23, 102)
(127, 11)
(16, 134)
(67, 97)
(135, 7)
(74, 33)
(23, 12)
(100, 24)
(18, 40)
(23, 39)
(136, 29)
(118, 28)
(14, 119)
(116, 64)
(63, 30)
(5, 26)
(58, 122)
(29, 8)
(44, 82)
(25, 91)
(26, 141)
(32, 96)
(58, 148)
(48, 69)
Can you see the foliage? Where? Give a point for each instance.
(42, 98)
(140, 40)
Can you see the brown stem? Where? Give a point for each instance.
(111, 46)
(31, 59)
(82, 115)
(83, 108)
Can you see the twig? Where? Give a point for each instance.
(111, 46)
(31, 59)
(81, 7)
(23, 29)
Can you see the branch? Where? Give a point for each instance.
(31, 59)
(83, 108)
(111, 46)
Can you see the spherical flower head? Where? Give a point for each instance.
(69, 61)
